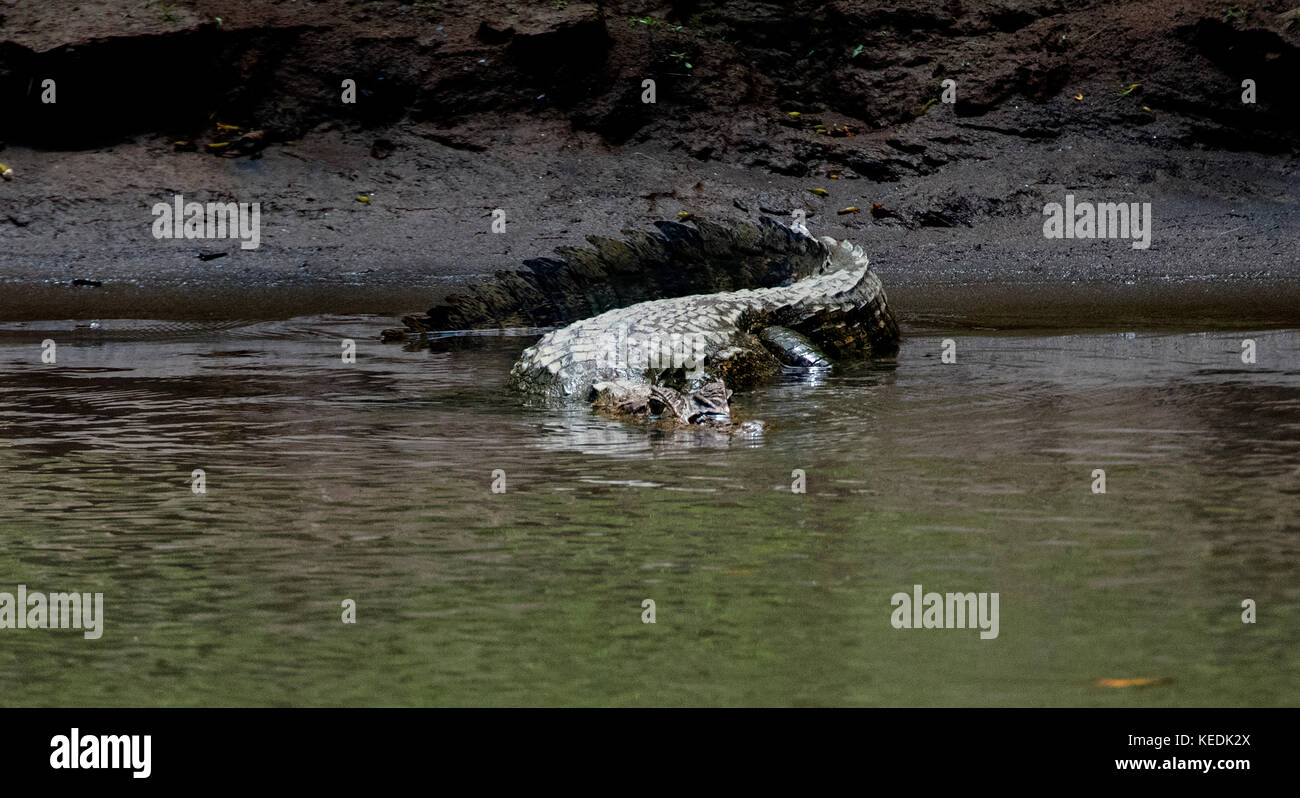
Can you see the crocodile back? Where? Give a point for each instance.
(678, 260)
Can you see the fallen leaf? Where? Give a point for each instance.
(1132, 682)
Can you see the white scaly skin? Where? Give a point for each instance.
(713, 330)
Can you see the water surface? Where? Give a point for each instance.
(373, 482)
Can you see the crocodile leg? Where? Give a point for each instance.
(793, 348)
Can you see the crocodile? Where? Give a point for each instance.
(680, 354)
(817, 302)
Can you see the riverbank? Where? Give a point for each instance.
(467, 108)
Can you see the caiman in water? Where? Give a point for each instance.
(817, 302)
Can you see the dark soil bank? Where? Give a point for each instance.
(537, 109)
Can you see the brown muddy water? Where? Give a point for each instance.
(372, 481)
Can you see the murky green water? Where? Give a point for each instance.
(372, 482)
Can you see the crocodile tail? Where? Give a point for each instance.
(678, 260)
(850, 317)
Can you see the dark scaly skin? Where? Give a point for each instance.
(678, 260)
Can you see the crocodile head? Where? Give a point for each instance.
(708, 405)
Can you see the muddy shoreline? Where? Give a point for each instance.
(536, 109)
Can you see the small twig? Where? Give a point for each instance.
(1090, 38)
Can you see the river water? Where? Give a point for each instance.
(373, 482)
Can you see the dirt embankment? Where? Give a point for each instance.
(537, 109)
